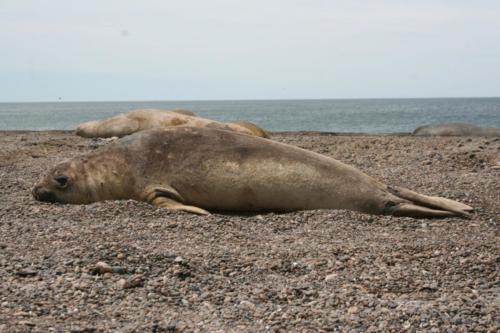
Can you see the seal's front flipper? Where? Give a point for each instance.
(165, 196)
(428, 203)
(175, 205)
(164, 191)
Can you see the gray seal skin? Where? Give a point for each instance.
(138, 120)
(200, 169)
(456, 129)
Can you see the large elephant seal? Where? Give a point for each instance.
(138, 120)
(456, 129)
(199, 169)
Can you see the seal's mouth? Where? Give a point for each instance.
(42, 194)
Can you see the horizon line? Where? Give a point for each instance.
(242, 100)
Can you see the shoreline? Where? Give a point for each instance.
(302, 132)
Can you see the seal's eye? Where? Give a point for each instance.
(62, 181)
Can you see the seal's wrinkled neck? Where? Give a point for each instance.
(106, 177)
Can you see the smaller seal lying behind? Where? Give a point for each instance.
(200, 169)
(138, 120)
(456, 129)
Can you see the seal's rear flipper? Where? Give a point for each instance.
(411, 210)
(428, 205)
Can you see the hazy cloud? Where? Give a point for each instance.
(221, 49)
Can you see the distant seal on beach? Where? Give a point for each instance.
(200, 169)
(138, 120)
(456, 129)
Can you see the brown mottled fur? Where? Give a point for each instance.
(194, 169)
(253, 128)
(138, 120)
(456, 129)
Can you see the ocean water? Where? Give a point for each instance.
(349, 115)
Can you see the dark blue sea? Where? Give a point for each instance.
(335, 115)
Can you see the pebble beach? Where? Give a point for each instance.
(126, 266)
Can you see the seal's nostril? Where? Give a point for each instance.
(34, 191)
(42, 194)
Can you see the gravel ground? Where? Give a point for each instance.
(125, 266)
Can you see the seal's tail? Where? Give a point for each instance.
(420, 205)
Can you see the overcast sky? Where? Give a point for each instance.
(259, 49)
